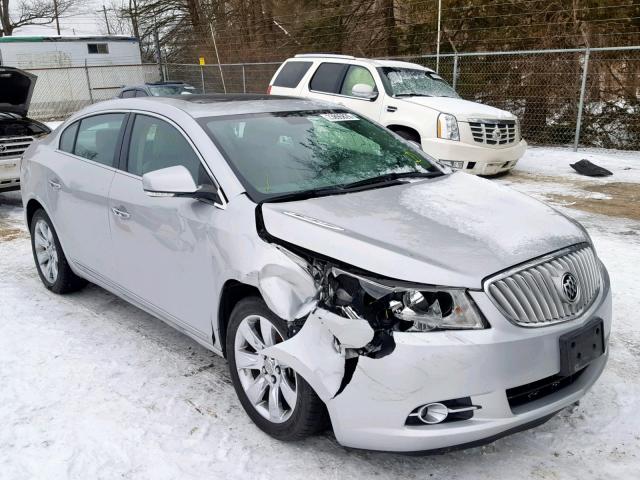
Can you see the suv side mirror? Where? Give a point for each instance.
(362, 90)
(176, 182)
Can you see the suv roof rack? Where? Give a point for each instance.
(325, 55)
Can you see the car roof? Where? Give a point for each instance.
(371, 61)
(211, 105)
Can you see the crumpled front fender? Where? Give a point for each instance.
(317, 352)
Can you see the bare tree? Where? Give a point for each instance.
(30, 12)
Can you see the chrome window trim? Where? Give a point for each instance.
(487, 282)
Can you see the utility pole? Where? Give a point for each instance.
(55, 12)
(156, 41)
(438, 46)
(104, 9)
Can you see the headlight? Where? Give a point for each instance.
(448, 127)
(387, 306)
(518, 131)
(443, 309)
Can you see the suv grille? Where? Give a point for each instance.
(14, 146)
(494, 132)
(540, 293)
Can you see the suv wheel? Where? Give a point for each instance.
(51, 262)
(278, 400)
(409, 136)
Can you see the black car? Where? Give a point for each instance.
(17, 131)
(158, 89)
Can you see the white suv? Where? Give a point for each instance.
(414, 102)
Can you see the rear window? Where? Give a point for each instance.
(291, 74)
(328, 77)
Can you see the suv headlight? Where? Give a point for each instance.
(518, 130)
(437, 310)
(448, 127)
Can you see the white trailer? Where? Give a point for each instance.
(68, 51)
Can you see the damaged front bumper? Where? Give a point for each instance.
(371, 405)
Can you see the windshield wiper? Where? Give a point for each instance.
(411, 94)
(388, 179)
(305, 194)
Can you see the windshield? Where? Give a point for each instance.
(167, 90)
(411, 81)
(292, 152)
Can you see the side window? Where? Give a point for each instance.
(291, 74)
(94, 48)
(141, 93)
(128, 94)
(355, 75)
(155, 144)
(68, 138)
(98, 138)
(328, 77)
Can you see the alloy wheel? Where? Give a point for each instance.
(270, 386)
(46, 251)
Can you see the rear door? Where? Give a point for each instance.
(162, 244)
(81, 174)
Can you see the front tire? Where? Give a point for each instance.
(51, 262)
(278, 400)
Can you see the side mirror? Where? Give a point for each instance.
(176, 182)
(362, 90)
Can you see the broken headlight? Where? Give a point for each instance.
(436, 310)
(389, 307)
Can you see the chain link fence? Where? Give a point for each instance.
(572, 97)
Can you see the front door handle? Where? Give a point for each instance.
(55, 185)
(123, 214)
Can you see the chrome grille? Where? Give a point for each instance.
(494, 132)
(14, 146)
(532, 295)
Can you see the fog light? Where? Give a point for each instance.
(433, 413)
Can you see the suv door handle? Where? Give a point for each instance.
(123, 214)
(54, 185)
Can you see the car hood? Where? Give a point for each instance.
(16, 88)
(453, 230)
(462, 109)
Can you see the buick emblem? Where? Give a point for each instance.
(2, 148)
(570, 287)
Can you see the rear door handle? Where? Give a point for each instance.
(55, 185)
(123, 214)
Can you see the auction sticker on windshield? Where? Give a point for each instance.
(338, 117)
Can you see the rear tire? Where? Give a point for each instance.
(298, 411)
(51, 262)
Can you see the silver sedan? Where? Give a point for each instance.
(348, 278)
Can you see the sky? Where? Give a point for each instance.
(86, 18)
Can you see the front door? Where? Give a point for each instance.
(162, 245)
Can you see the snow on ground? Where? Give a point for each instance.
(91, 387)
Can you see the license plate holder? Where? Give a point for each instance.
(581, 347)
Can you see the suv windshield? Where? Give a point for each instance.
(409, 81)
(166, 90)
(321, 151)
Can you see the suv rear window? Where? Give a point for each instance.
(328, 77)
(291, 74)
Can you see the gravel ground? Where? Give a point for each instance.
(91, 387)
